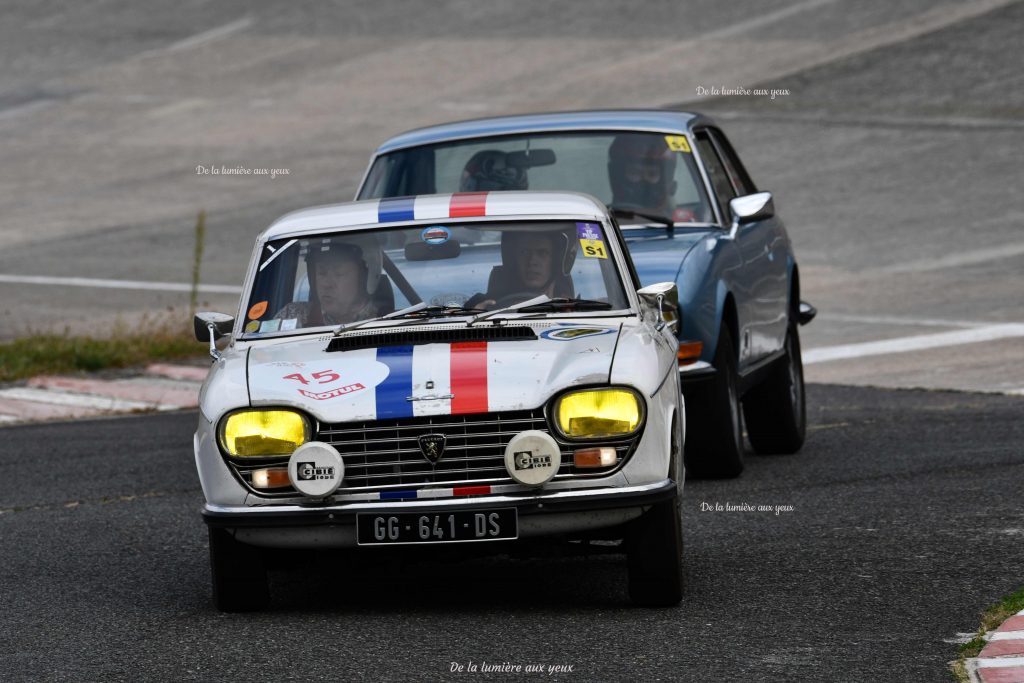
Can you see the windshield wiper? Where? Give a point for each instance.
(564, 304)
(509, 309)
(421, 310)
(628, 212)
(348, 327)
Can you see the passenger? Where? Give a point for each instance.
(533, 263)
(641, 170)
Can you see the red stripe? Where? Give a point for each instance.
(471, 490)
(468, 204)
(469, 377)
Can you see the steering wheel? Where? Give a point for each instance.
(512, 299)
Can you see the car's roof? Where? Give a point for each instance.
(436, 207)
(656, 120)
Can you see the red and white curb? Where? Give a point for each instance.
(161, 387)
(1002, 660)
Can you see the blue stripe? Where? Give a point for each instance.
(396, 209)
(393, 392)
(396, 495)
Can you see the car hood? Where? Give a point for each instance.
(439, 378)
(658, 257)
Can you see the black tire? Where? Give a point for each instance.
(654, 552)
(775, 410)
(714, 440)
(239, 574)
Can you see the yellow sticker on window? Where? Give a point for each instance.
(593, 248)
(678, 143)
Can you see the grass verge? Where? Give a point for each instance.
(49, 353)
(990, 620)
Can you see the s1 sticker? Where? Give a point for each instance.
(591, 240)
(678, 143)
(289, 324)
(435, 234)
(566, 333)
(270, 325)
(252, 326)
(257, 310)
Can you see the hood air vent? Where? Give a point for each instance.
(450, 335)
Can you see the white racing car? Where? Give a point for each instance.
(467, 369)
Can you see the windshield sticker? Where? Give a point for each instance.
(257, 310)
(678, 143)
(270, 325)
(568, 333)
(289, 324)
(591, 240)
(253, 326)
(435, 234)
(275, 253)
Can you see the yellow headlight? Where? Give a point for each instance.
(261, 433)
(598, 413)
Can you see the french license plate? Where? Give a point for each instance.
(436, 527)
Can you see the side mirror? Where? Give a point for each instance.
(751, 208)
(212, 326)
(662, 299)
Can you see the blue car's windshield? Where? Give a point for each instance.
(649, 172)
(332, 279)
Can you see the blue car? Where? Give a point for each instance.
(690, 213)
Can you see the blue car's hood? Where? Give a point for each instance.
(658, 257)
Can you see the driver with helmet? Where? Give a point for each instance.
(344, 283)
(489, 170)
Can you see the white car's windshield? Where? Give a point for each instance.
(342, 278)
(649, 172)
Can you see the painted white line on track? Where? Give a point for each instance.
(992, 663)
(763, 20)
(963, 258)
(1006, 635)
(200, 38)
(8, 418)
(900, 320)
(116, 284)
(916, 343)
(78, 400)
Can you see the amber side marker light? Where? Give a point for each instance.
(595, 457)
(689, 352)
(270, 478)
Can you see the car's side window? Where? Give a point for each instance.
(741, 181)
(716, 174)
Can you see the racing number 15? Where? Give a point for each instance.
(323, 377)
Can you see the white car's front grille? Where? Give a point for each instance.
(383, 454)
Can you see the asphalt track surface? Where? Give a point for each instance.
(894, 161)
(905, 522)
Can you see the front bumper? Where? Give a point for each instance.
(540, 514)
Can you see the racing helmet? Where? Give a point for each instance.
(489, 170)
(563, 248)
(364, 248)
(641, 170)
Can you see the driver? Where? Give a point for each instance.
(533, 263)
(339, 284)
(489, 170)
(641, 171)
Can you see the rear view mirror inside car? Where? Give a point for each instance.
(530, 158)
(424, 251)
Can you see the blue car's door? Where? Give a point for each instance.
(760, 286)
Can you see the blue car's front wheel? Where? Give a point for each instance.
(714, 441)
(775, 410)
